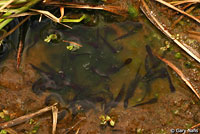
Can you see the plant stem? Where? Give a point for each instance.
(20, 10)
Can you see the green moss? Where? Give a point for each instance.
(178, 55)
(188, 125)
(133, 12)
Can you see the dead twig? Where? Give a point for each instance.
(50, 16)
(195, 126)
(194, 32)
(21, 15)
(194, 36)
(175, 8)
(175, 3)
(77, 131)
(181, 17)
(10, 131)
(25, 118)
(69, 129)
(149, 14)
(55, 117)
(183, 8)
(178, 71)
(114, 9)
(19, 51)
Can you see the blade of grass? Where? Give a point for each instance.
(2, 2)
(20, 10)
(6, 4)
(12, 30)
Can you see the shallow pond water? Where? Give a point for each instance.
(99, 64)
(100, 76)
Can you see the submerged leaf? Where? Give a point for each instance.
(133, 12)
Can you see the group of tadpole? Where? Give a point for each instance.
(53, 80)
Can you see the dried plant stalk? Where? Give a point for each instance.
(175, 8)
(193, 53)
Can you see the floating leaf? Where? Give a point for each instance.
(50, 38)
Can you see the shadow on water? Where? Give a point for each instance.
(114, 68)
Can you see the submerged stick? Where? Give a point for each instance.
(20, 48)
(175, 8)
(181, 17)
(69, 129)
(145, 9)
(178, 71)
(25, 117)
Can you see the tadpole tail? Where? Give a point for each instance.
(153, 59)
(115, 102)
(133, 85)
(171, 86)
(108, 44)
(129, 33)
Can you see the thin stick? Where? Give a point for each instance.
(62, 12)
(50, 16)
(24, 118)
(12, 30)
(181, 17)
(74, 43)
(21, 15)
(6, 4)
(195, 126)
(19, 51)
(20, 10)
(194, 32)
(55, 117)
(193, 53)
(77, 131)
(114, 9)
(175, 3)
(175, 8)
(10, 131)
(183, 77)
(75, 125)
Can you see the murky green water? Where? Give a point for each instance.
(80, 67)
